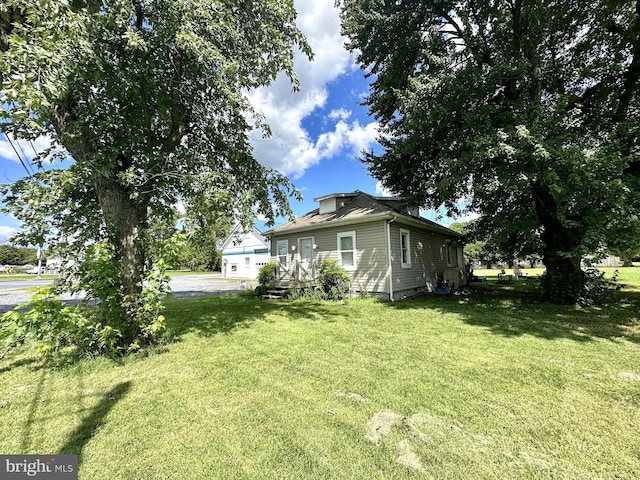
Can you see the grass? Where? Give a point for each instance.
(10, 277)
(485, 385)
(178, 273)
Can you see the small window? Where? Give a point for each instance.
(405, 248)
(452, 254)
(347, 250)
(282, 248)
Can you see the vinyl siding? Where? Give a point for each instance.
(428, 258)
(371, 257)
(427, 250)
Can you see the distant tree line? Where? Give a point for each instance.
(491, 249)
(10, 255)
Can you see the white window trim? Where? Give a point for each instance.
(452, 260)
(406, 233)
(286, 249)
(351, 234)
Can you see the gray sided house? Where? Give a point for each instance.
(389, 250)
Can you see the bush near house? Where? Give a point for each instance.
(266, 278)
(334, 280)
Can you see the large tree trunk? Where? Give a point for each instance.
(565, 279)
(126, 222)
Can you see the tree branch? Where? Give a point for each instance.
(7, 20)
(632, 75)
(139, 15)
(179, 120)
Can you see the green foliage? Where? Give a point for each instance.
(10, 255)
(149, 102)
(334, 281)
(527, 110)
(56, 328)
(625, 241)
(101, 323)
(267, 274)
(599, 290)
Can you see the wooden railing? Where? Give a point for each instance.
(295, 273)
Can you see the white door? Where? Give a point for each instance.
(306, 258)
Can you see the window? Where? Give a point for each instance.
(452, 254)
(405, 248)
(347, 250)
(282, 249)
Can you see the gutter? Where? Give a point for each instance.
(389, 265)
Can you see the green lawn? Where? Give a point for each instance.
(480, 386)
(9, 277)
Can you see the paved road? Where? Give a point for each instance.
(21, 284)
(15, 292)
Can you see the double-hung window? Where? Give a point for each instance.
(452, 254)
(282, 247)
(405, 248)
(347, 250)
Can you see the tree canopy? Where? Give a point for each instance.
(523, 111)
(149, 100)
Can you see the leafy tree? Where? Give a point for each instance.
(205, 225)
(625, 242)
(11, 255)
(148, 98)
(528, 110)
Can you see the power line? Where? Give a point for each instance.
(18, 155)
(25, 157)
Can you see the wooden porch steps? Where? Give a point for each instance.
(276, 293)
(279, 291)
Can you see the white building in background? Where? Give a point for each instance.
(243, 253)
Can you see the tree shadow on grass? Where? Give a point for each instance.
(511, 314)
(33, 362)
(92, 421)
(214, 315)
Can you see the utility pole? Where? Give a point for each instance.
(39, 254)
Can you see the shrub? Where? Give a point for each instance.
(105, 322)
(334, 280)
(598, 290)
(267, 274)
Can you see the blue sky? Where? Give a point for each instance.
(318, 131)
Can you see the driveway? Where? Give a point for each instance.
(14, 292)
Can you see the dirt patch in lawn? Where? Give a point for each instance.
(629, 376)
(421, 435)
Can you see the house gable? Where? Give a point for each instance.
(243, 253)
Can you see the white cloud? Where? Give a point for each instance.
(6, 233)
(291, 149)
(340, 114)
(382, 191)
(26, 149)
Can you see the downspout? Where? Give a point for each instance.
(390, 267)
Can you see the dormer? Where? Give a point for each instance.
(334, 201)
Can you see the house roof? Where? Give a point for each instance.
(237, 233)
(361, 208)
